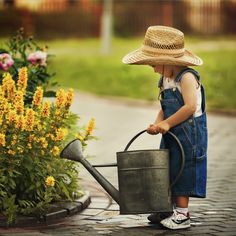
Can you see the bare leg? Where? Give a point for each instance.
(181, 201)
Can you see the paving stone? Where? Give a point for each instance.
(78, 217)
(198, 230)
(100, 199)
(132, 225)
(26, 234)
(109, 214)
(98, 205)
(115, 219)
(114, 207)
(97, 218)
(216, 219)
(91, 212)
(224, 234)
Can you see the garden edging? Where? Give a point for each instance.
(56, 212)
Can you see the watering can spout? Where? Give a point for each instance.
(73, 152)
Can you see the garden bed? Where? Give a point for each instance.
(57, 211)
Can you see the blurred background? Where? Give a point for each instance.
(88, 39)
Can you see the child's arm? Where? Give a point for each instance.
(160, 117)
(189, 93)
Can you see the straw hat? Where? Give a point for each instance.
(162, 46)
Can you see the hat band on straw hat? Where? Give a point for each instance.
(147, 50)
(173, 45)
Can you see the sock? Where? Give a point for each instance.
(182, 210)
(174, 206)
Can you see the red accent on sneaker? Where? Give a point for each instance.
(187, 215)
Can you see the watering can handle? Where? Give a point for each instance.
(180, 147)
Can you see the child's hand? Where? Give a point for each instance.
(161, 127)
(152, 129)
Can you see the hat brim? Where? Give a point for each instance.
(137, 57)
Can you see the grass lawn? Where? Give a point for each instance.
(79, 64)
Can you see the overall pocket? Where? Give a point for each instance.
(189, 129)
(186, 132)
(169, 106)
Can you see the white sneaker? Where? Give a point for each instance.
(177, 221)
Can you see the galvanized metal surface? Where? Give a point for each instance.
(143, 178)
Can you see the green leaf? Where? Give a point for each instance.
(49, 93)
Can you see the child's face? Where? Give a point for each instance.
(165, 70)
(158, 69)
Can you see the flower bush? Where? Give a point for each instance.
(22, 51)
(31, 138)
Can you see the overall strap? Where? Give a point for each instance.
(160, 82)
(197, 76)
(179, 76)
(203, 99)
(182, 72)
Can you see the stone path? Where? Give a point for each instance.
(117, 123)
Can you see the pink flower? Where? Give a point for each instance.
(6, 61)
(38, 57)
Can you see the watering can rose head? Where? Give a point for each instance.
(6, 61)
(38, 57)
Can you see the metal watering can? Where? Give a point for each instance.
(143, 177)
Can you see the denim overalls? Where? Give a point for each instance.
(192, 134)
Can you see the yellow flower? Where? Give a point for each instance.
(55, 151)
(60, 98)
(11, 152)
(12, 116)
(90, 126)
(45, 111)
(8, 86)
(49, 135)
(31, 138)
(69, 98)
(20, 149)
(3, 106)
(57, 115)
(38, 126)
(29, 119)
(20, 122)
(14, 140)
(50, 181)
(38, 96)
(22, 79)
(2, 139)
(80, 137)
(60, 134)
(43, 142)
(19, 102)
(1, 92)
